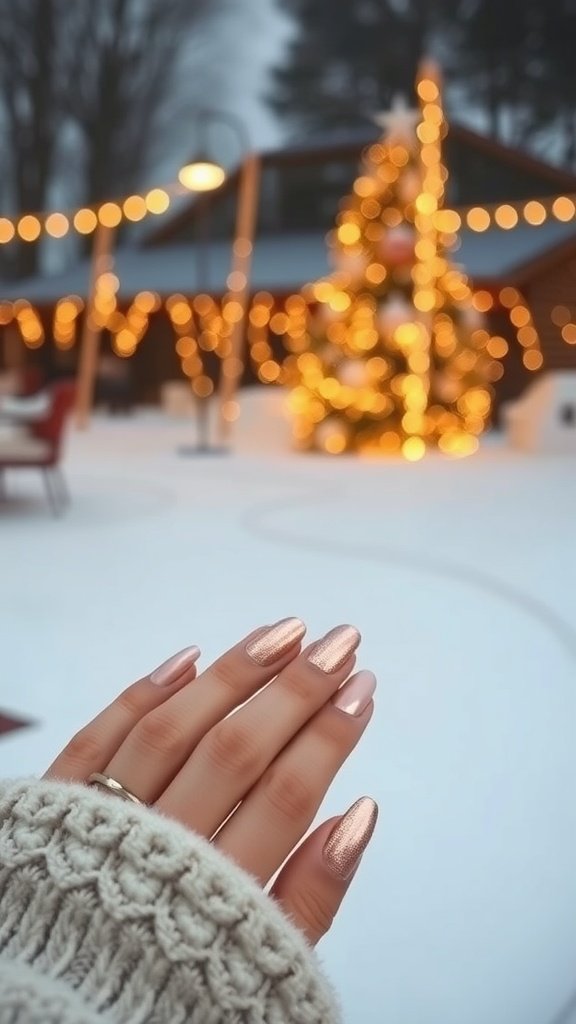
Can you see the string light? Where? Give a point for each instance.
(85, 221)
(57, 225)
(29, 227)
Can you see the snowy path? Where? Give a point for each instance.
(461, 578)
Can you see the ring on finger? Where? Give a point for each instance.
(113, 786)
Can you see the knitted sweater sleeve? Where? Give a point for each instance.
(110, 912)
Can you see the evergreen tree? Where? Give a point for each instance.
(348, 60)
(396, 358)
(510, 61)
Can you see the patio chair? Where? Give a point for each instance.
(41, 447)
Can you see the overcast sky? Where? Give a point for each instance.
(260, 41)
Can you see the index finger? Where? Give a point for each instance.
(95, 744)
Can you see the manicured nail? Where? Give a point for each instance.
(350, 837)
(354, 697)
(170, 670)
(334, 649)
(273, 641)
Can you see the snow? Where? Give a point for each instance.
(460, 576)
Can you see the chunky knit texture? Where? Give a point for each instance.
(109, 912)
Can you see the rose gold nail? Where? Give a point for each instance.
(354, 697)
(273, 641)
(350, 837)
(334, 649)
(169, 671)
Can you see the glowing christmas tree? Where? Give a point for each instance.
(396, 356)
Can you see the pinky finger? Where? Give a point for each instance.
(91, 749)
(313, 883)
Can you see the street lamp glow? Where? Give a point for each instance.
(202, 176)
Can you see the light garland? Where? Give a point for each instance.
(507, 216)
(266, 318)
(84, 220)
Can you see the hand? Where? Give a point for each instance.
(244, 754)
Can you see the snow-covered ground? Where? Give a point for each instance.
(461, 577)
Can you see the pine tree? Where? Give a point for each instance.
(396, 358)
(348, 60)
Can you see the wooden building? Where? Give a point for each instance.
(188, 250)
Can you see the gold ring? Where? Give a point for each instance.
(106, 782)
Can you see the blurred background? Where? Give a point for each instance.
(267, 272)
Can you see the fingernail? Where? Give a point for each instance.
(169, 671)
(354, 697)
(334, 649)
(350, 837)
(272, 642)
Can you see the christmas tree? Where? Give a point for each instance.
(396, 356)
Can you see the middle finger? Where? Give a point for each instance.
(162, 740)
(234, 754)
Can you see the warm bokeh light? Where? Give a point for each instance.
(29, 228)
(497, 347)
(482, 301)
(109, 215)
(134, 208)
(7, 230)
(563, 208)
(448, 221)
(85, 221)
(532, 359)
(520, 316)
(534, 213)
(157, 201)
(560, 315)
(506, 217)
(569, 334)
(202, 386)
(413, 449)
(57, 225)
(478, 219)
(202, 176)
(509, 296)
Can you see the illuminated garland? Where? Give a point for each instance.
(28, 227)
(85, 219)
(268, 321)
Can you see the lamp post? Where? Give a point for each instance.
(204, 174)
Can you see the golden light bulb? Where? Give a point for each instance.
(202, 176)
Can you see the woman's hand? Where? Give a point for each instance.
(244, 754)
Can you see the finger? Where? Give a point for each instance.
(162, 741)
(312, 885)
(232, 756)
(93, 747)
(284, 802)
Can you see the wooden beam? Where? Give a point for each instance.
(14, 350)
(233, 363)
(102, 261)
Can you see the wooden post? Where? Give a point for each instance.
(233, 363)
(13, 347)
(102, 261)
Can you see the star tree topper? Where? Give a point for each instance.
(399, 123)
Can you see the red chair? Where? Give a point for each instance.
(42, 447)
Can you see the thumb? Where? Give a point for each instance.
(313, 883)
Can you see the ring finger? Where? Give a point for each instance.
(284, 803)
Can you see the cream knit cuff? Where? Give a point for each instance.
(143, 920)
